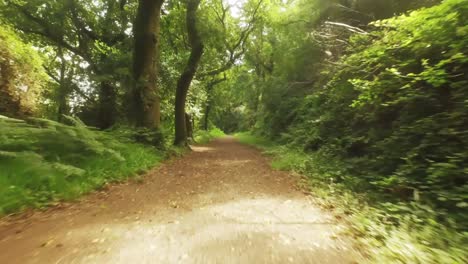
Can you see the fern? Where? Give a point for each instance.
(42, 160)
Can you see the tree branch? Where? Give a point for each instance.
(240, 43)
(348, 27)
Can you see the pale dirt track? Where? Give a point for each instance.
(220, 203)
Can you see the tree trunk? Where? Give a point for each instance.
(189, 126)
(209, 100)
(145, 70)
(62, 100)
(186, 78)
(207, 115)
(107, 110)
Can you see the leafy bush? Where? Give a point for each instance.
(146, 136)
(203, 136)
(42, 161)
(22, 78)
(252, 139)
(395, 111)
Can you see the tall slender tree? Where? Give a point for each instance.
(186, 78)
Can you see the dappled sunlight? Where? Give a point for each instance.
(202, 149)
(233, 162)
(270, 210)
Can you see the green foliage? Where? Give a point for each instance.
(203, 137)
(145, 136)
(254, 140)
(87, 46)
(389, 120)
(396, 108)
(43, 161)
(392, 113)
(22, 78)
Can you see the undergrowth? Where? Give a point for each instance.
(388, 230)
(204, 137)
(42, 161)
(250, 139)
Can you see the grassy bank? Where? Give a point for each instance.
(388, 229)
(42, 162)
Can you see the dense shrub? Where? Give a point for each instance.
(396, 109)
(202, 136)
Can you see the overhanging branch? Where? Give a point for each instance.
(348, 27)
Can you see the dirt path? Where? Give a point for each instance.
(219, 204)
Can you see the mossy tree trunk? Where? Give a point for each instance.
(145, 64)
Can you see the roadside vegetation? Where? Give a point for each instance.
(43, 162)
(388, 230)
(203, 136)
(380, 136)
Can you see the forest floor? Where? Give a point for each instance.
(221, 203)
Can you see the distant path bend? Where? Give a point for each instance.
(222, 203)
